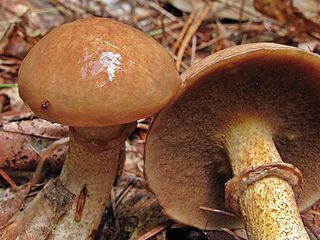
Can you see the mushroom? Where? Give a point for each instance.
(245, 122)
(98, 76)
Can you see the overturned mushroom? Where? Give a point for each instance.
(246, 122)
(98, 76)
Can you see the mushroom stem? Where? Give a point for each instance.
(89, 173)
(268, 205)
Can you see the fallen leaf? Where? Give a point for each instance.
(16, 152)
(286, 13)
(37, 221)
(37, 127)
(136, 210)
(11, 201)
(311, 218)
(16, 103)
(24, 138)
(22, 152)
(223, 9)
(8, 179)
(17, 45)
(309, 46)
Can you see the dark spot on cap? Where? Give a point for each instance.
(44, 105)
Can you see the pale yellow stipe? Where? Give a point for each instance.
(268, 206)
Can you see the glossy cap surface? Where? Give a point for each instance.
(97, 72)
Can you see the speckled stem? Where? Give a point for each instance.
(268, 206)
(92, 162)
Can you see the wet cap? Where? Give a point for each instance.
(97, 72)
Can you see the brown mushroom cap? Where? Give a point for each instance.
(97, 72)
(186, 164)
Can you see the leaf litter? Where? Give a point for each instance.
(31, 149)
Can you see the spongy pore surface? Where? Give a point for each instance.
(186, 164)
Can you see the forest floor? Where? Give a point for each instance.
(189, 33)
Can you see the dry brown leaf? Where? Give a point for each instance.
(24, 138)
(40, 16)
(22, 152)
(37, 127)
(16, 103)
(310, 46)
(221, 41)
(16, 153)
(42, 20)
(136, 211)
(17, 46)
(6, 29)
(286, 13)
(11, 201)
(228, 9)
(37, 221)
(8, 179)
(312, 218)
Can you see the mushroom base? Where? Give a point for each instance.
(89, 173)
(268, 206)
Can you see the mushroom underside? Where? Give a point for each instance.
(185, 152)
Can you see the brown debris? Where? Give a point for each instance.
(11, 201)
(284, 12)
(311, 218)
(17, 46)
(191, 31)
(15, 103)
(8, 179)
(80, 204)
(22, 152)
(26, 140)
(37, 220)
(45, 155)
(183, 32)
(156, 230)
(36, 127)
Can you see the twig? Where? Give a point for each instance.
(124, 193)
(183, 31)
(193, 28)
(193, 50)
(44, 155)
(183, 64)
(80, 204)
(234, 6)
(311, 228)
(218, 211)
(155, 230)
(158, 8)
(8, 179)
(236, 236)
(2, 102)
(240, 16)
(314, 212)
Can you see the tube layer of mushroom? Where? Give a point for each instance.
(242, 136)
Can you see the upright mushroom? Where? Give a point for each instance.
(245, 121)
(98, 76)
